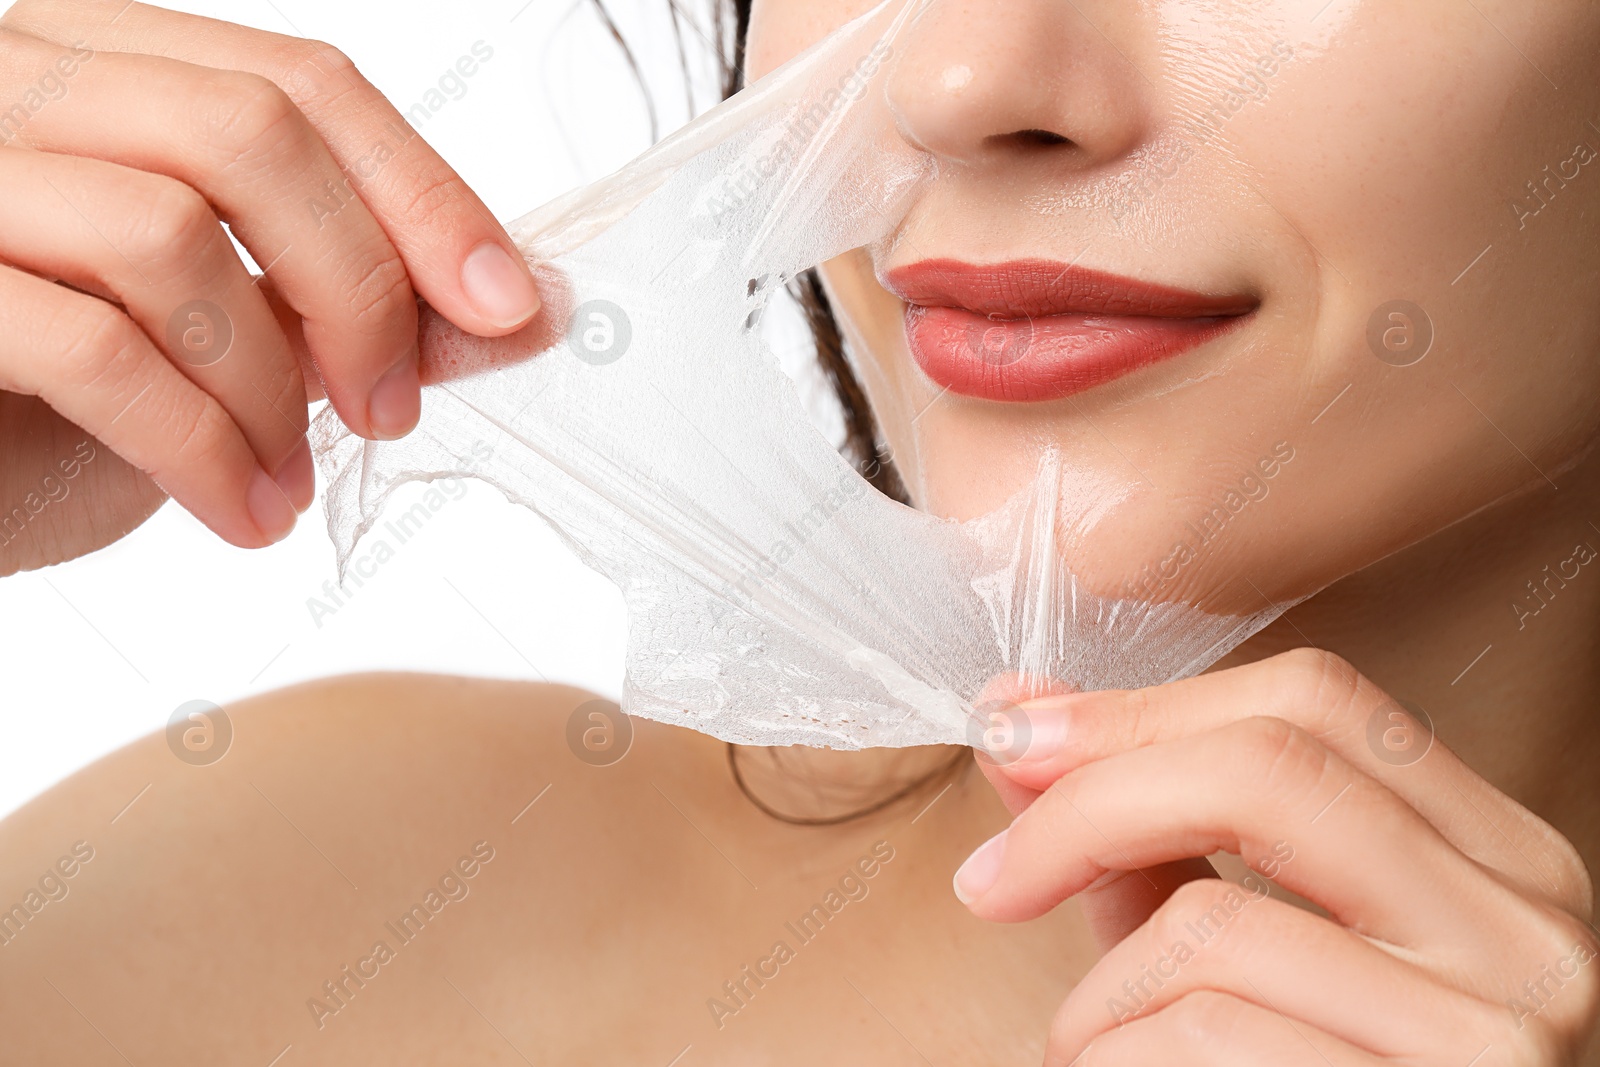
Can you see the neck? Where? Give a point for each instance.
(827, 784)
(1492, 627)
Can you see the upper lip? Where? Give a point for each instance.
(1036, 288)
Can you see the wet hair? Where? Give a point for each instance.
(862, 445)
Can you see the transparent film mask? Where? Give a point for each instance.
(774, 597)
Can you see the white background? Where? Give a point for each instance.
(102, 649)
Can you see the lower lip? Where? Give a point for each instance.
(1049, 357)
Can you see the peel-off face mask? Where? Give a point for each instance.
(774, 597)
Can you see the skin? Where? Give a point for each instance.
(614, 909)
(1448, 503)
(1414, 897)
(138, 133)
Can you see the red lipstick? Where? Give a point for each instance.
(1033, 329)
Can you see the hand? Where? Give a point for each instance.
(129, 325)
(1457, 926)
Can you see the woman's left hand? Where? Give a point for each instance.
(1457, 928)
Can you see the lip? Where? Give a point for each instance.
(1035, 330)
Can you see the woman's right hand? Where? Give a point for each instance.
(128, 134)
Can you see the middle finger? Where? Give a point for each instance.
(1264, 790)
(240, 140)
(1321, 694)
(153, 245)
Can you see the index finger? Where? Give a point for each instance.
(1113, 907)
(459, 258)
(1328, 699)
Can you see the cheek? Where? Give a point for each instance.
(1444, 177)
(782, 29)
(1424, 161)
(1374, 171)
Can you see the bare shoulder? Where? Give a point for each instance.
(348, 726)
(401, 869)
(246, 882)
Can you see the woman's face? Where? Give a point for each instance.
(1335, 188)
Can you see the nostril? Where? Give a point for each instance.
(1042, 137)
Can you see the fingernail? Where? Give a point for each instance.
(499, 286)
(396, 401)
(975, 877)
(296, 478)
(273, 514)
(1047, 735)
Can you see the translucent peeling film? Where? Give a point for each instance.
(773, 596)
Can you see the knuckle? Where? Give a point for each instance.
(1130, 713)
(202, 433)
(1204, 1018)
(433, 196)
(380, 294)
(282, 386)
(248, 117)
(1584, 1007)
(1200, 895)
(310, 51)
(312, 70)
(168, 227)
(1062, 793)
(102, 345)
(1574, 891)
(1542, 1007)
(1280, 758)
(1526, 1039)
(1207, 908)
(1169, 923)
(1322, 681)
(1564, 962)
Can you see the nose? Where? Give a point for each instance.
(981, 81)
